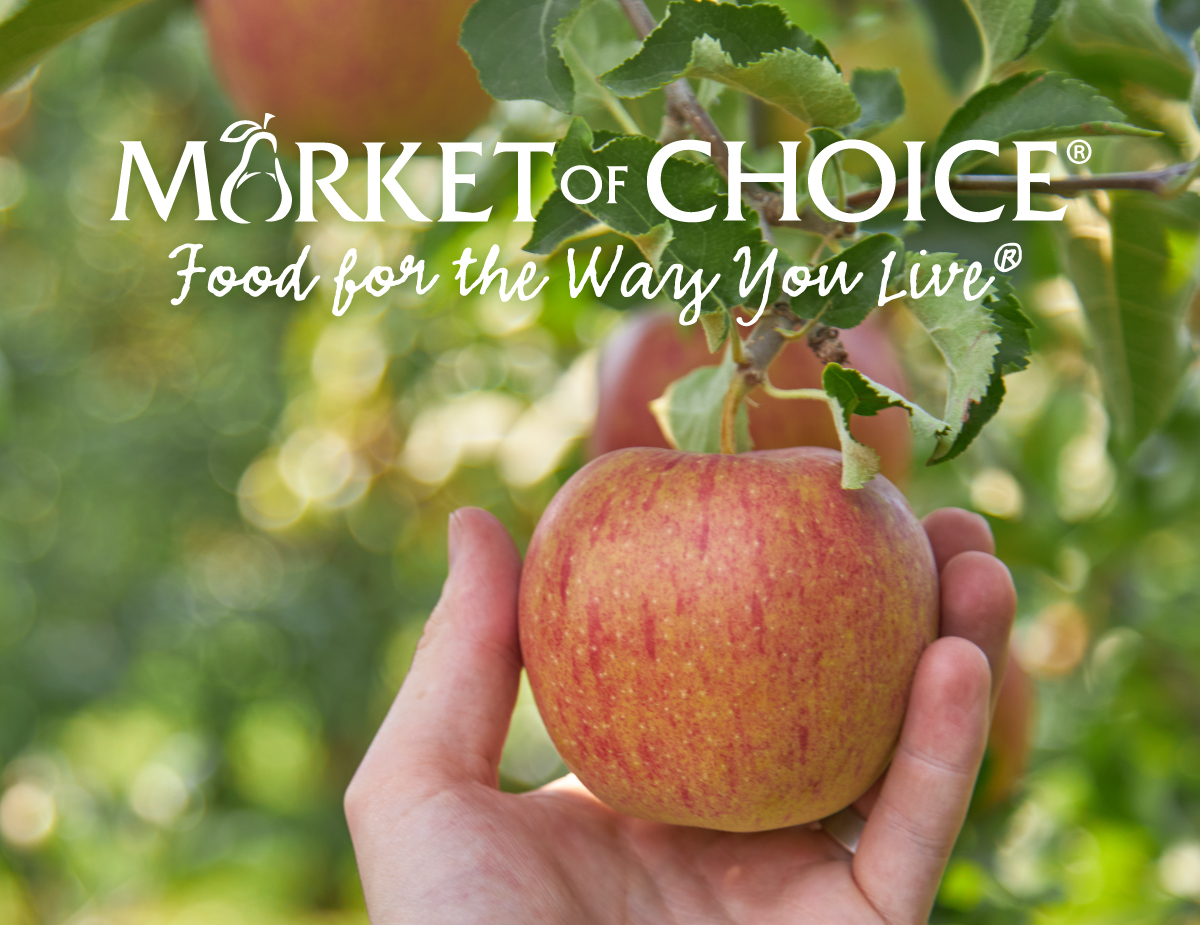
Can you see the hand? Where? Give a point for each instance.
(437, 842)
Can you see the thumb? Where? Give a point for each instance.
(449, 721)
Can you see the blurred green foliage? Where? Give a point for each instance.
(222, 523)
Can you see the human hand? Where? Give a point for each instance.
(438, 842)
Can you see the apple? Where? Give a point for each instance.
(653, 350)
(1011, 736)
(348, 71)
(725, 641)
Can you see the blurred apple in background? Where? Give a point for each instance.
(653, 350)
(1011, 737)
(348, 71)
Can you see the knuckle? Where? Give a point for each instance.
(947, 771)
(356, 803)
(916, 834)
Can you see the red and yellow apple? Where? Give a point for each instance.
(725, 641)
(348, 71)
(653, 350)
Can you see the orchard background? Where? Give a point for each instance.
(222, 524)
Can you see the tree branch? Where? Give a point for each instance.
(1159, 181)
(760, 349)
(640, 16)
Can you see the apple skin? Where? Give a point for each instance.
(348, 71)
(725, 641)
(1011, 737)
(653, 350)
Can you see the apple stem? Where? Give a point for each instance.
(737, 348)
(738, 388)
(753, 356)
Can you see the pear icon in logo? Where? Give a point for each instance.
(252, 133)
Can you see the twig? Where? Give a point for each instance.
(782, 325)
(640, 16)
(1160, 182)
(759, 350)
(826, 343)
(672, 129)
(766, 340)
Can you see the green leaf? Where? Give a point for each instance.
(41, 24)
(1194, 96)
(709, 247)
(881, 97)
(1044, 14)
(990, 33)
(1135, 289)
(514, 47)
(558, 220)
(1128, 28)
(1179, 19)
(964, 332)
(1012, 355)
(980, 413)
(850, 392)
(958, 44)
(752, 48)
(1031, 105)
(822, 138)
(1004, 25)
(689, 412)
(847, 310)
(716, 329)
(599, 39)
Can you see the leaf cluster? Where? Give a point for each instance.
(756, 51)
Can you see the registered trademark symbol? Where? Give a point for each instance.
(1008, 257)
(1079, 151)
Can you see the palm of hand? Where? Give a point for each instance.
(437, 842)
(565, 857)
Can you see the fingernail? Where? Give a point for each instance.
(453, 536)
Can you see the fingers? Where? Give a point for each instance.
(911, 830)
(979, 603)
(952, 530)
(449, 721)
(978, 599)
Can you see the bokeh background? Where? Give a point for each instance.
(222, 524)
